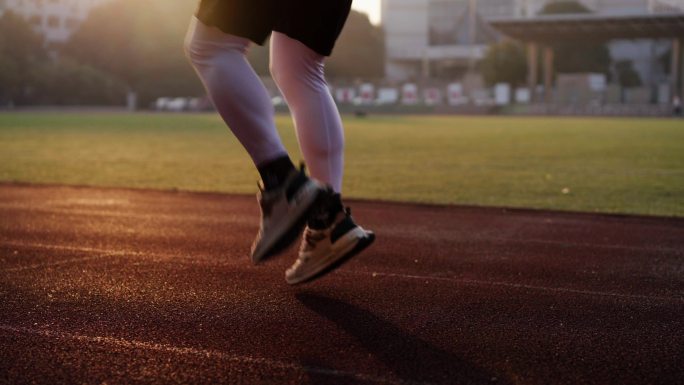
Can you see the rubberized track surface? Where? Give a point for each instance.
(120, 286)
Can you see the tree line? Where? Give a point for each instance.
(137, 46)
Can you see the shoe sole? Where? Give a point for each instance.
(335, 261)
(289, 231)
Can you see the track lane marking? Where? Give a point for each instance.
(209, 353)
(475, 282)
(583, 244)
(50, 264)
(472, 282)
(103, 253)
(233, 219)
(71, 248)
(109, 253)
(224, 218)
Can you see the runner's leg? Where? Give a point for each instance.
(235, 89)
(299, 73)
(244, 104)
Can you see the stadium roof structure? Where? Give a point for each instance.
(591, 27)
(543, 31)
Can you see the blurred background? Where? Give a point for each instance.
(597, 57)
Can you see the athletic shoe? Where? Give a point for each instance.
(322, 251)
(284, 212)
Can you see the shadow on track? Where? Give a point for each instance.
(411, 359)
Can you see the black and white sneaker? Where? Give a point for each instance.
(283, 213)
(324, 250)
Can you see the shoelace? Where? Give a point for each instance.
(311, 237)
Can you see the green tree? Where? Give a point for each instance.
(575, 56)
(360, 50)
(259, 57)
(140, 43)
(505, 62)
(627, 76)
(20, 50)
(564, 7)
(67, 82)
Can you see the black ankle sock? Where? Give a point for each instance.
(275, 172)
(325, 211)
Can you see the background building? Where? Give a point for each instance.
(529, 8)
(439, 38)
(445, 38)
(56, 20)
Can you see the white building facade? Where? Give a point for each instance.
(427, 38)
(56, 20)
(444, 38)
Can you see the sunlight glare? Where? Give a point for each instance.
(370, 7)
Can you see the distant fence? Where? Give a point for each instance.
(574, 95)
(599, 110)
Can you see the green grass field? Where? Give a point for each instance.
(597, 165)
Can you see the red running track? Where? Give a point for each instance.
(121, 286)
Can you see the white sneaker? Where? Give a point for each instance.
(283, 214)
(324, 250)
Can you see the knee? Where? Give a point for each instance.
(203, 44)
(201, 53)
(194, 50)
(293, 73)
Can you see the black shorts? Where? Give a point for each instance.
(316, 23)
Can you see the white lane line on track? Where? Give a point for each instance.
(102, 254)
(475, 282)
(472, 282)
(223, 218)
(583, 244)
(71, 248)
(208, 353)
(234, 219)
(109, 253)
(50, 264)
